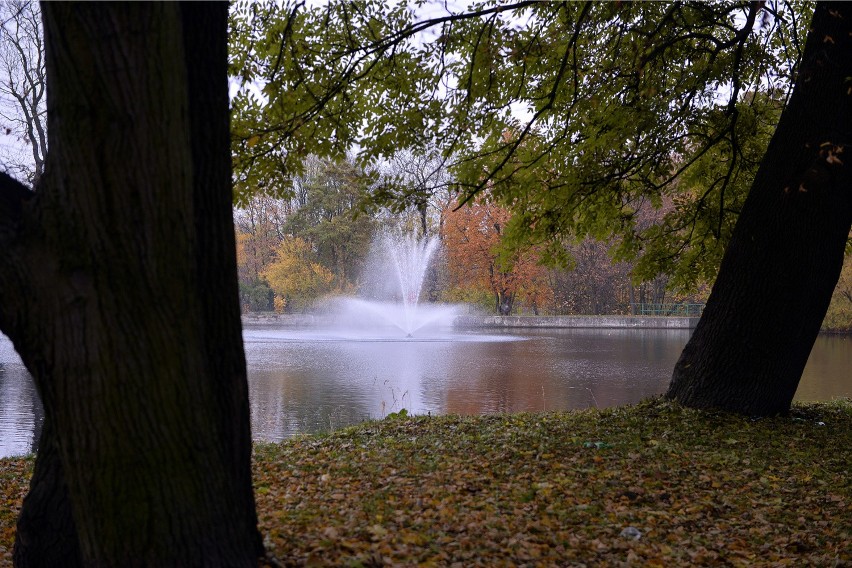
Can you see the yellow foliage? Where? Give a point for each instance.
(280, 304)
(295, 277)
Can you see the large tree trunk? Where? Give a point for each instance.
(119, 290)
(751, 345)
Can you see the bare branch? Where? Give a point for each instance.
(23, 84)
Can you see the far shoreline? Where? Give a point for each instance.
(478, 321)
(469, 321)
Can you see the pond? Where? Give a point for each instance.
(304, 381)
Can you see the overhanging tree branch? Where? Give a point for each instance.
(557, 83)
(13, 194)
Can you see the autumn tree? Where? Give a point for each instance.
(119, 291)
(594, 284)
(260, 228)
(327, 214)
(471, 236)
(321, 207)
(260, 222)
(295, 276)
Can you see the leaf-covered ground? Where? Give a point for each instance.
(647, 485)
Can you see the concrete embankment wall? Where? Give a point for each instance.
(269, 318)
(472, 321)
(634, 322)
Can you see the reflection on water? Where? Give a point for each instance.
(21, 413)
(309, 381)
(321, 382)
(828, 374)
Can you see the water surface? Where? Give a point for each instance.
(303, 380)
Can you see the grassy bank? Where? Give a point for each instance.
(838, 319)
(651, 485)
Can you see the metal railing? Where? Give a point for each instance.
(683, 310)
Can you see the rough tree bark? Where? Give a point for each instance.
(118, 287)
(775, 283)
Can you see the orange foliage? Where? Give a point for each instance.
(471, 237)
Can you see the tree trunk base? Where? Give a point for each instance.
(46, 535)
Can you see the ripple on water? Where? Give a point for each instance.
(20, 408)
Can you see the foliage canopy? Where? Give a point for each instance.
(577, 116)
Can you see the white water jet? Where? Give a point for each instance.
(391, 304)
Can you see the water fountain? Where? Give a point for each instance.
(391, 303)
